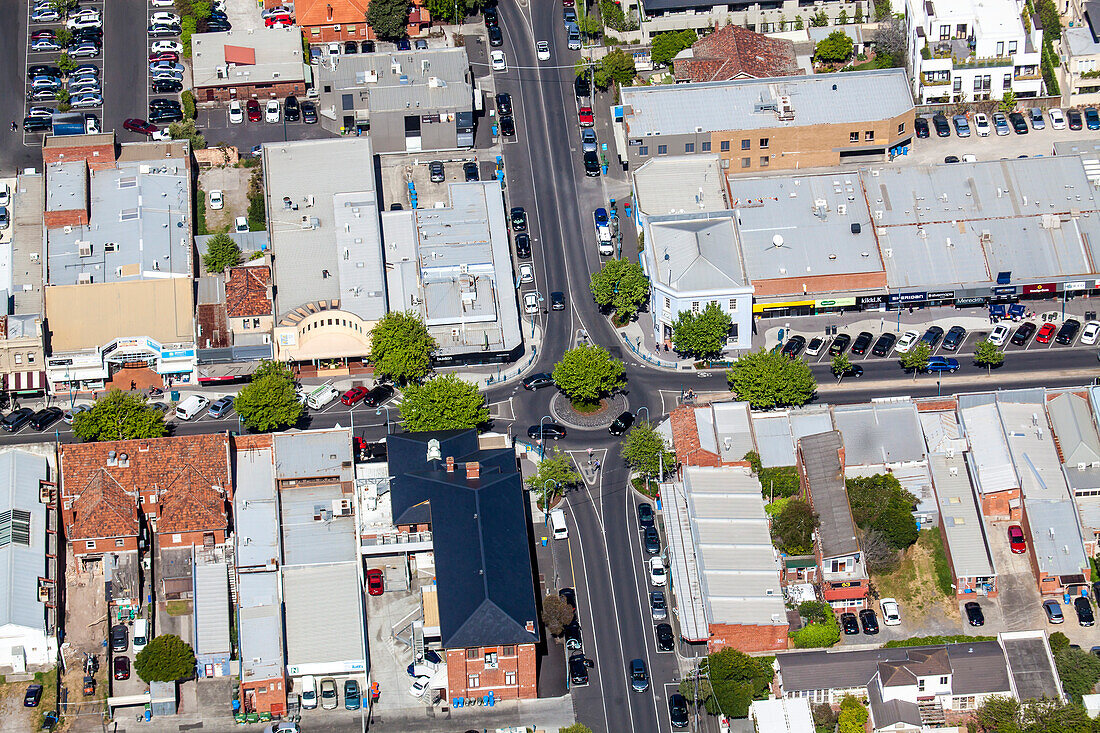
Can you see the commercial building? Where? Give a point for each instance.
(329, 284)
(233, 320)
(259, 63)
(735, 52)
(965, 541)
(451, 264)
(1074, 426)
(346, 20)
(715, 434)
(658, 16)
(119, 267)
(1081, 56)
(989, 460)
(773, 124)
(213, 648)
(407, 100)
(22, 307)
(972, 50)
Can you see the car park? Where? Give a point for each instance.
(1068, 332)
(498, 61)
(45, 417)
(665, 639)
(639, 676)
(883, 345)
(938, 364)
(999, 335)
(891, 612)
(1057, 119)
(1035, 116)
(166, 86)
(645, 515)
(1000, 123)
(1053, 611)
(578, 669)
(292, 111)
(839, 345)
(921, 127)
(962, 127)
(981, 124)
(955, 337)
(907, 341)
(658, 606)
(1083, 609)
(547, 431)
(658, 576)
(1016, 542)
(1046, 333)
(1023, 333)
(651, 541)
(931, 337)
(868, 620)
(862, 343)
(793, 346)
(848, 623)
(1090, 333)
(943, 129)
(622, 423)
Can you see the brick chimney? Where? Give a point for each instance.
(450, 464)
(473, 470)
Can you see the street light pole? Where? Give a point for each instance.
(546, 500)
(542, 437)
(643, 407)
(379, 412)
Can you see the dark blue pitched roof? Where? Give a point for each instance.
(481, 533)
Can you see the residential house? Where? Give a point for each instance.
(234, 319)
(658, 16)
(735, 52)
(248, 299)
(346, 20)
(258, 63)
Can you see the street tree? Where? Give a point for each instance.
(1078, 670)
(166, 658)
(269, 401)
(701, 334)
(63, 36)
(186, 130)
(841, 364)
(728, 681)
(1008, 102)
(401, 347)
(989, 355)
(916, 359)
(388, 18)
(65, 62)
(555, 473)
(452, 11)
(575, 728)
(589, 25)
(766, 380)
(587, 374)
(645, 451)
(221, 253)
(119, 416)
(556, 613)
(616, 66)
(834, 48)
(442, 403)
(622, 286)
(792, 529)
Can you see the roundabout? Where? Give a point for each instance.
(561, 409)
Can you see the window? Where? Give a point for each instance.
(689, 147)
(247, 324)
(733, 305)
(474, 681)
(869, 135)
(15, 526)
(705, 147)
(695, 306)
(853, 137)
(764, 142)
(668, 304)
(945, 32)
(508, 651)
(662, 150)
(1008, 81)
(943, 680)
(120, 542)
(18, 358)
(643, 151)
(1000, 48)
(958, 85)
(1011, 48)
(764, 160)
(746, 162)
(977, 83)
(90, 544)
(901, 128)
(30, 357)
(473, 653)
(920, 684)
(745, 144)
(509, 678)
(725, 146)
(490, 660)
(177, 538)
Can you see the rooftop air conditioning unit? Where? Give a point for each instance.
(785, 110)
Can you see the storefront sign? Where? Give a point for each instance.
(1039, 288)
(969, 301)
(941, 295)
(177, 354)
(906, 298)
(834, 303)
(635, 142)
(761, 307)
(1076, 285)
(865, 301)
(1004, 290)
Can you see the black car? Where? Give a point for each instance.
(794, 346)
(37, 124)
(950, 159)
(884, 344)
(678, 710)
(122, 668)
(548, 430)
(1083, 608)
(504, 104)
(523, 246)
(292, 111)
(1068, 332)
(17, 419)
(166, 86)
(651, 540)
(932, 337)
(591, 164)
(853, 370)
(496, 38)
(161, 103)
(665, 639)
(848, 620)
(491, 20)
(470, 171)
(862, 342)
(1023, 333)
(309, 113)
(557, 300)
(645, 515)
(974, 615)
(217, 25)
(582, 86)
(166, 115)
(379, 394)
(572, 636)
(578, 669)
(954, 338)
(367, 46)
(518, 217)
(1018, 122)
(538, 381)
(507, 126)
(840, 344)
(120, 638)
(921, 126)
(569, 596)
(45, 417)
(943, 129)
(622, 423)
(436, 174)
(351, 47)
(868, 620)
(1073, 119)
(43, 70)
(32, 696)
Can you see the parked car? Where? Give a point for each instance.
(1000, 123)
(1090, 333)
(592, 167)
(1023, 333)
(572, 635)
(470, 171)
(921, 127)
(852, 370)
(962, 127)
(120, 638)
(1016, 541)
(658, 606)
(309, 113)
(651, 541)
(507, 126)
(351, 695)
(518, 219)
(272, 111)
(121, 668)
(954, 338)
(436, 173)
(1018, 122)
(981, 124)
(665, 639)
(943, 129)
(45, 417)
(578, 669)
(891, 612)
(375, 583)
(999, 335)
(531, 303)
(658, 576)
(70, 415)
(931, 337)
(1092, 118)
(883, 345)
(330, 698)
(419, 686)
(868, 620)
(974, 615)
(378, 395)
(220, 407)
(907, 341)
(862, 343)
(292, 111)
(1057, 119)
(1083, 609)
(814, 347)
(622, 423)
(1053, 610)
(585, 117)
(32, 696)
(166, 86)
(569, 595)
(1074, 118)
(849, 623)
(353, 396)
(252, 109)
(1046, 333)
(793, 346)
(839, 345)
(16, 419)
(1036, 116)
(645, 515)
(538, 381)
(1068, 332)
(677, 710)
(497, 60)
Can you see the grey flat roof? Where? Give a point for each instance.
(276, 52)
(1081, 42)
(430, 79)
(312, 531)
(960, 517)
(825, 477)
(261, 625)
(680, 184)
(338, 636)
(336, 254)
(680, 109)
(695, 254)
(989, 454)
(1087, 148)
(138, 224)
(313, 454)
(66, 185)
(22, 564)
(879, 433)
(212, 608)
(776, 432)
(255, 514)
(1029, 662)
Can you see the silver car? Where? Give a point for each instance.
(589, 143)
(87, 99)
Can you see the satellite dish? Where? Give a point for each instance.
(777, 240)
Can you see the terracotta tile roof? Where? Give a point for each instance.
(190, 504)
(734, 52)
(317, 12)
(246, 292)
(685, 439)
(104, 509)
(213, 325)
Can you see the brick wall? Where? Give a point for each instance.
(188, 539)
(98, 157)
(820, 283)
(513, 678)
(104, 544)
(962, 584)
(995, 506)
(747, 638)
(265, 696)
(326, 33)
(261, 92)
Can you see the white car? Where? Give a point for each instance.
(240, 224)
(334, 49)
(271, 111)
(216, 199)
(163, 3)
(499, 63)
(969, 158)
(236, 112)
(906, 342)
(891, 614)
(166, 47)
(279, 10)
(1090, 332)
(658, 576)
(981, 124)
(419, 686)
(530, 303)
(815, 346)
(165, 18)
(526, 274)
(85, 22)
(543, 50)
(999, 334)
(162, 135)
(1057, 119)
(5, 195)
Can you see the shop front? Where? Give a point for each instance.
(91, 370)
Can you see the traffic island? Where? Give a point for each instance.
(562, 410)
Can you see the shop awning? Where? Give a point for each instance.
(26, 381)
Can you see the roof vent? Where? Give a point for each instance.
(112, 458)
(123, 460)
(434, 453)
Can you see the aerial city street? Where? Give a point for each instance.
(578, 366)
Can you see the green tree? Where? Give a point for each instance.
(821, 628)
(63, 97)
(166, 658)
(1008, 102)
(999, 713)
(645, 451)
(401, 347)
(556, 613)
(800, 24)
(186, 130)
(1058, 641)
(853, 716)
(880, 503)
(221, 253)
(776, 481)
(667, 45)
(988, 354)
(63, 6)
(442, 403)
(824, 717)
(63, 36)
(882, 9)
(257, 211)
(201, 10)
(701, 334)
(388, 18)
(587, 374)
(842, 17)
(766, 380)
(556, 468)
(65, 63)
(622, 286)
(728, 681)
(793, 529)
(187, 99)
(859, 14)
(841, 364)
(188, 28)
(575, 728)
(119, 416)
(1053, 716)
(820, 19)
(589, 25)
(616, 66)
(269, 401)
(834, 48)
(916, 359)
(1079, 671)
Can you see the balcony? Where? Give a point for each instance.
(986, 63)
(928, 81)
(386, 544)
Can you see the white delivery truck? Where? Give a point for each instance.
(191, 406)
(321, 396)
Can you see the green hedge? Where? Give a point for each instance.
(933, 640)
(944, 577)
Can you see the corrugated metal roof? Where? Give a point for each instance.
(680, 184)
(696, 254)
(941, 432)
(423, 80)
(334, 637)
(1075, 428)
(261, 626)
(254, 511)
(211, 608)
(960, 517)
(825, 477)
(314, 453)
(21, 565)
(774, 441)
(989, 452)
(879, 433)
(312, 531)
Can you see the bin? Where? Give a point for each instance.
(175, 395)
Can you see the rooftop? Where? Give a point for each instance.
(255, 56)
(248, 291)
(695, 254)
(255, 513)
(879, 433)
(341, 638)
(960, 517)
(327, 12)
(1031, 666)
(693, 184)
(261, 626)
(432, 79)
(317, 525)
(733, 52)
(824, 471)
(22, 538)
(777, 432)
(324, 453)
(989, 457)
(212, 608)
(1075, 429)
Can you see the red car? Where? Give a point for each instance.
(375, 586)
(282, 18)
(354, 395)
(1016, 540)
(584, 114)
(164, 56)
(568, 3)
(122, 668)
(254, 114)
(135, 125)
(1046, 333)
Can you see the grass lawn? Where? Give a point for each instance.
(48, 680)
(914, 584)
(177, 608)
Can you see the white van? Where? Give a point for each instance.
(321, 396)
(141, 634)
(191, 406)
(558, 529)
(309, 692)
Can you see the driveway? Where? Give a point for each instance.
(213, 122)
(1018, 605)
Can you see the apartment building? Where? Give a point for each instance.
(658, 16)
(1081, 56)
